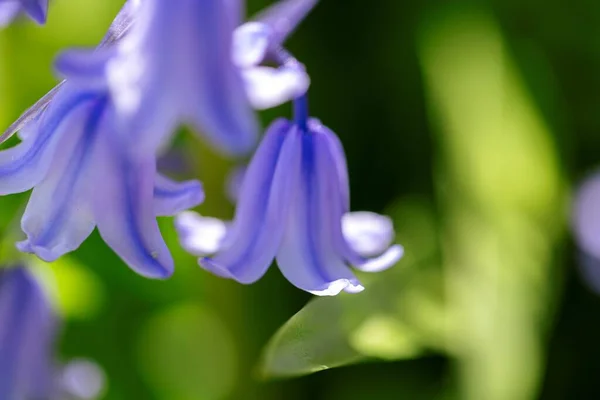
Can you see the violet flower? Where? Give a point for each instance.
(27, 332)
(185, 61)
(35, 9)
(84, 175)
(293, 206)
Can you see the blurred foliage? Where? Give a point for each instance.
(467, 122)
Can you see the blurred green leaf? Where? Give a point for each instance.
(398, 316)
(501, 188)
(312, 340)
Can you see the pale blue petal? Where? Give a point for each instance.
(367, 233)
(25, 165)
(357, 237)
(121, 24)
(172, 197)
(251, 42)
(8, 12)
(308, 257)
(87, 66)
(124, 208)
(233, 183)
(199, 235)
(175, 65)
(27, 329)
(268, 87)
(58, 217)
(266, 192)
(31, 114)
(284, 17)
(585, 218)
(36, 9)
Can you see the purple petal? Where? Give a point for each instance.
(36, 9)
(31, 114)
(308, 256)
(367, 233)
(124, 208)
(121, 24)
(59, 217)
(586, 216)
(372, 234)
(200, 235)
(27, 329)
(268, 87)
(233, 184)
(175, 66)
(268, 187)
(251, 42)
(172, 197)
(284, 17)
(87, 66)
(25, 165)
(8, 12)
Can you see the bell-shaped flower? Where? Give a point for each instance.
(189, 62)
(293, 207)
(85, 174)
(83, 177)
(27, 331)
(35, 9)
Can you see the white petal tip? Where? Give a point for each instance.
(369, 234)
(199, 235)
(337, 286)
(384, 261)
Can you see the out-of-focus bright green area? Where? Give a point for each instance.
(468, 124)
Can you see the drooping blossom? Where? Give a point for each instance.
(294, 207)
(84, 176)
(27, 332)
(190, 61)
(36, 9)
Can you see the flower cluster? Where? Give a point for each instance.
(89, 148)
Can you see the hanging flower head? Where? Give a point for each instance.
(84, 175)
(188, 61)
(293, 207)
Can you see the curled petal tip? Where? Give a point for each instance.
(24, 247)
(369, 234)
(384, 261)
(337, 286)
(199, 235)
(157, 271)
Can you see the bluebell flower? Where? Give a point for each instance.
(83, 177)
(293, 207)
(36, 9)
(85, 174)
(190, 62)
(27, 332)
(585, 219)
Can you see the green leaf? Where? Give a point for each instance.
(398, 316)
